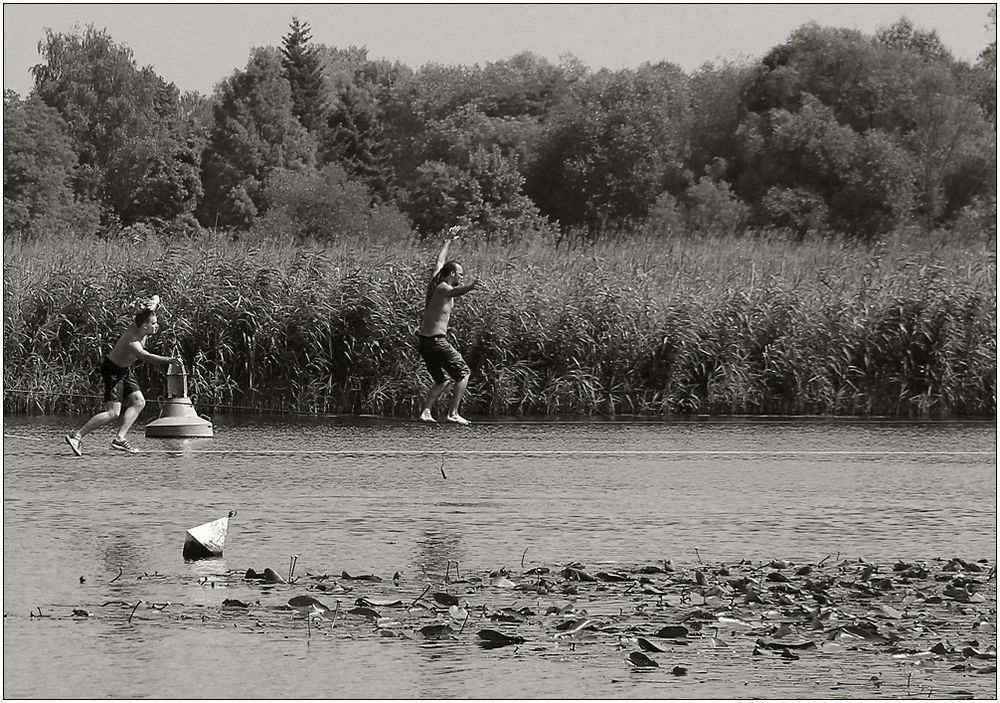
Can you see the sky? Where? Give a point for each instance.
(197, 45)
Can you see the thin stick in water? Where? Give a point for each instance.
(420, 596)
(133, 611)
(120, 572)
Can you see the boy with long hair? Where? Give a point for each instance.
(440, 356)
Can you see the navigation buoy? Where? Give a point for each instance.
(207, 540)
(178, 418)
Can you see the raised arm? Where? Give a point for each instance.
(442, 256)
(453, 234)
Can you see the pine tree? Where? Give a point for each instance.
(302, 68)
(354, 139)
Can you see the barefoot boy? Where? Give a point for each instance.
(117, 368)
(438, 354)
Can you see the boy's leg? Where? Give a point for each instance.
(456, 400)
(111, 411)
(136, 402)
(433, 394)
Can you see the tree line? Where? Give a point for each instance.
(832, 131)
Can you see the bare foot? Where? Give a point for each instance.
(458, 419)
(426, 416)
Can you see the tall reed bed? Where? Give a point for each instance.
(720, 326)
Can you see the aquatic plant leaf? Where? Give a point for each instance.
(458, 613)
(613, 576)
(734, 623)
(502, 581)
(891, 612)
(679, 671)
(271, 576)
(507, 615)
(672, 632)
(436, 632)
(364, 577)
(445, 598)
(786, 644)
(967, 652)
(574, 574)
(81, 613)
(640, 659)
(365, 613)
(379, 602)
(306, 603)
(572, 626)
(233, 603)
(648, 646)
(499, 638)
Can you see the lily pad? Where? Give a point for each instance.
(490, 639)
(641, 660)
(445, 598)
(436, 632)
(672, 632)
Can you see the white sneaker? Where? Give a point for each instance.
(122, 445)
(75, 444)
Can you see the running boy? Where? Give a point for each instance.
(438, 354)
(117, 368)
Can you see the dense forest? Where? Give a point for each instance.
(813, 232)
(831, 131)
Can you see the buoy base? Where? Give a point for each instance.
(178, 418)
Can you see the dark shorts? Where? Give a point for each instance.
(112, 374)
(440, 357)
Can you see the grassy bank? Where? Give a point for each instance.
(742, 326)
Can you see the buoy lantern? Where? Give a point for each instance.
(178, 418)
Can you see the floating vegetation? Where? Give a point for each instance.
(933, 619)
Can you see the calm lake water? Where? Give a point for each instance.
(387, 497)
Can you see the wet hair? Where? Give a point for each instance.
(446, 270)
(143, 316)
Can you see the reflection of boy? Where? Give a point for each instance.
(117, 368)
(437, 353)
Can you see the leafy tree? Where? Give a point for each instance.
(714, 95)
(611, 149)
(324, 205)
(901, 93)
(125, 126)
(443, 195)
(38, 168)
(254, 132)
(864, 180)
(304, 72)
(903, 36)
(948, 133)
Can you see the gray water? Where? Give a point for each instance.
(388, 497)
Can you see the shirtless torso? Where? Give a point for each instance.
(125, 353)
(438, 312)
